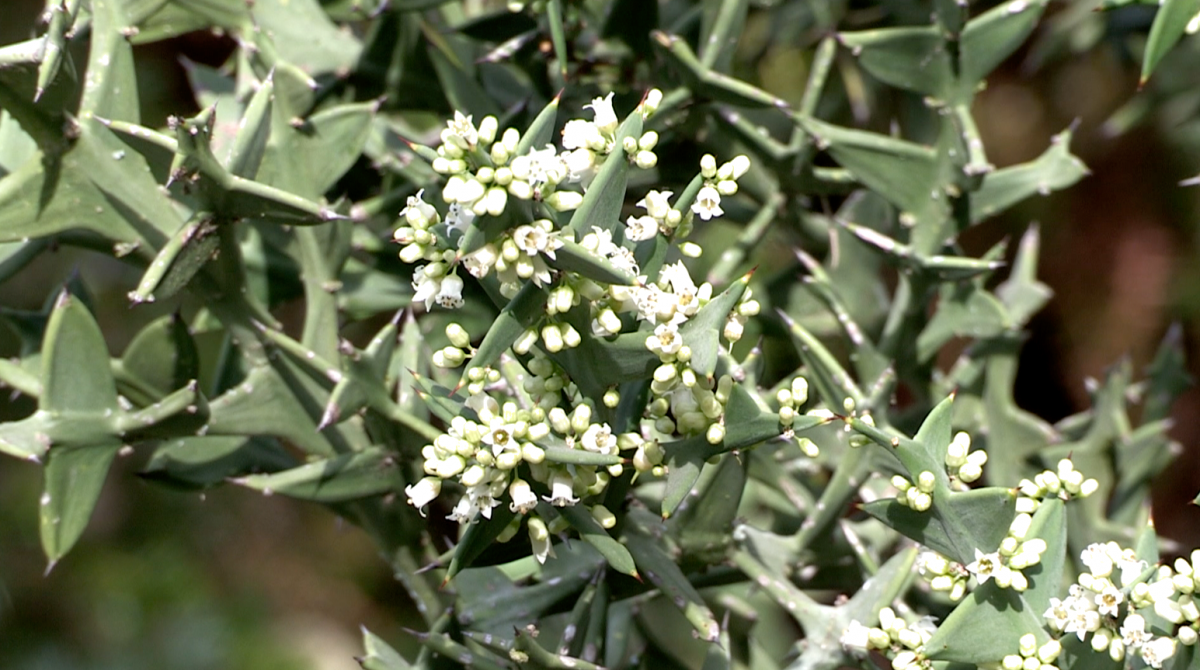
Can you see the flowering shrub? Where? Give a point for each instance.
(537, 322)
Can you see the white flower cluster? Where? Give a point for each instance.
(1108, 610)
(944, 574)
(1031, 656)
(1067, 483)
(483, 456)
(963, 465)
(895, 638)
(1005, 565)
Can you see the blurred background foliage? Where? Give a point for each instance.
(230, 579)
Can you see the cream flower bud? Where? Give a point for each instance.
(552, 338)
(564, 201)
(629, 144)
(487, 129)
(653, 100)
(708, 166)
(1020, 526)
(715, 434)
(740, 164)
(926, 481)
(645, 159)
(605, 518)
(691, 249)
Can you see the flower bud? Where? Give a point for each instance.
(564, 201)
(653, 100)
(708, 166)
(552, 338)
(612, 398)
(645, 159)
(715, 434)
(740, 164)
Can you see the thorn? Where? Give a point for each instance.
(37, 95)
(637, 576)
(330, 416)
(49, 567)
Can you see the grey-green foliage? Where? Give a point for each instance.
(287, 186)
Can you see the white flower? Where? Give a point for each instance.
(464, 511)
(654, 304)
(854, 638)
(1108, 601)
(580, 134)
(986, 566)
(460, 132)
(562, 493)
(1057, 614)
(1133, 631)
(580, 164)
(641, 228)
(1097, 559)
(450, 293)
(418, 212)
(485, 407)
(523, 497)
(624, 259)
(1081, 622)
(604, 116)
(479, 262)
(426, 288)
(1131, 567)
(708, 203)
(483, 496)
(598, 438)
(423, 492)
(542, 166)
(1154, 653)
(499, 436)
(535, 239)
(655, 204)
(666, 339)
(459, 218)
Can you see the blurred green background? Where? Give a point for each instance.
(166, 579)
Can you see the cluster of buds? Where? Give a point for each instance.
(718, 181)
(1031, 656)
(1005, 565)
(790, 400)
(947, 576)
(1067, 483)
(693, 406)
(1107, 609)
(459, 349)
(962, 464)
(916, 495)
(895, 638)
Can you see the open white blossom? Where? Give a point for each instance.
(458, 217)
(986, 566)
(604, 116)
(640, 228)
(580, 134)
(523, 497)
(418, 212)
(666, 339)
(598, 438)
(562, 490)
(423, 492)
(708, 203)
(1157, 652)
(1098, 559)
(445, 291)
(1133, 631)
(535, 239)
